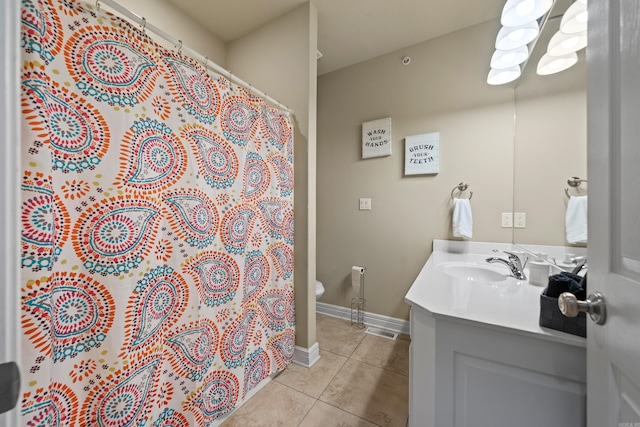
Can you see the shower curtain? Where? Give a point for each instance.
(157, 229)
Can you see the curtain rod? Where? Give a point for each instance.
(207, 63)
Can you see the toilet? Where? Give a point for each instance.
(319, 290)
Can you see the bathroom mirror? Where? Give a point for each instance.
(550, 143)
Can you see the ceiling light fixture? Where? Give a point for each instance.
(554, 64)
(512, 37)
(520, 29)
(519, 12)
(502, 59)
(575, 19)
(500, 77)
(522, 22)
(562, 44)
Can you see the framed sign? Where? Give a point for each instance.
(421, 154)
(376, 138)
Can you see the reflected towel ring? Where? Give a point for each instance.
(566, 191)
(574, 182)
(462, 187)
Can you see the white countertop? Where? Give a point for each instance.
(510, 303)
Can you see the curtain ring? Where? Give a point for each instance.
(143, 24)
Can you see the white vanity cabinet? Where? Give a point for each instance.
(478, 357)
(464, 374)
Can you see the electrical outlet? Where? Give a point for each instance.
(519, 220)
(507, 220)
(365, 204)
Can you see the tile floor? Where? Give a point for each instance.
(361, 380)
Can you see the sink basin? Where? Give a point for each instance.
(472, 272)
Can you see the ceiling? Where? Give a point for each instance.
(349, 31)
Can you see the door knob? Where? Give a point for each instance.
(570, 306)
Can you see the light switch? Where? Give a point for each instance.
(365, 204)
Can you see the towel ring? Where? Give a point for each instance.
(462, 187)
(574, 182)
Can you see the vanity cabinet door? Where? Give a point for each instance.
(495, 378)
(466, 375)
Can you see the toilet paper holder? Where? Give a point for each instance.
(358, 303)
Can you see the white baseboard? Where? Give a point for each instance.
(306, 357)
(370, 319)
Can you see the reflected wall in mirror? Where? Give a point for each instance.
(550, 142)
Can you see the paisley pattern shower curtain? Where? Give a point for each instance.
(157, 229)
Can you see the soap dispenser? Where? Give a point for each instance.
(539, 270)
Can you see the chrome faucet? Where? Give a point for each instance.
(513, 264)
(580, 262)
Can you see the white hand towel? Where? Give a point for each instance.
(462, 219)
(576, 219)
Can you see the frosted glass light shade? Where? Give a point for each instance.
(561, 43)
(512, 37)
(502, 59)
(554, 64)
(519, 12)
(575, 19)
(500, 77)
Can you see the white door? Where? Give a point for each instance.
(9, 191)
(613, 349)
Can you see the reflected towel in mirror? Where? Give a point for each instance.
(576, 219)
(462, 220)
